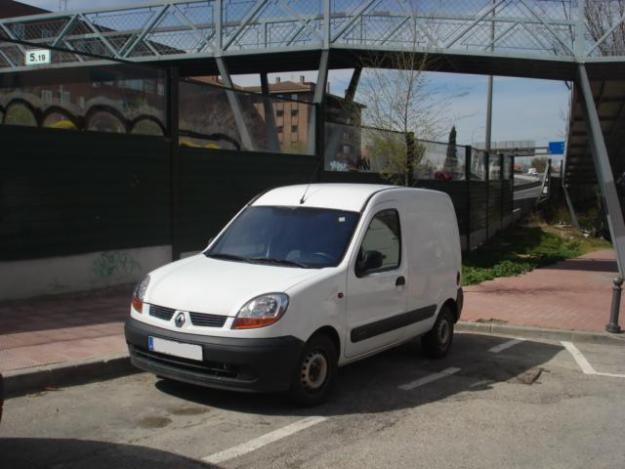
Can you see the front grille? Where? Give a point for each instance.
(161, 312)
(197, 319)
(207, 320)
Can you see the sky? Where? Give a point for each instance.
(523, 109)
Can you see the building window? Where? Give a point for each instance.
(294, 129)
(294, 112)
(65, 97)
(46, 96)
(279, 113)
(294, 97)
(280, 129)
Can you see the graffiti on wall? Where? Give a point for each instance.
(112, 264)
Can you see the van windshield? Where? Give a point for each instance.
(291, 236)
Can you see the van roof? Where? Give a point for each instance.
(338, 196)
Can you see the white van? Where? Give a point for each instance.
(303, 280)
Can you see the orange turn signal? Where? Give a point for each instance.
(251, 323)
(137, 304)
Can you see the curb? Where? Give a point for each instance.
(496, 328)
(20, 382)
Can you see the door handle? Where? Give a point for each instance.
(401, 280)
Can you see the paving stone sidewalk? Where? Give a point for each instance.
(63, 328)
(571, 295)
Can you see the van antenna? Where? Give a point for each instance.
(303, 199)
(310, 181)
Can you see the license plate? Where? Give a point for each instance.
(177, 349)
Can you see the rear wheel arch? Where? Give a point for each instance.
(452, 306)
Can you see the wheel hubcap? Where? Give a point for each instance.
(314, 370)
(444, 332)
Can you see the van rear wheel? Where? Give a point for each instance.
(315, 372)
(437, 342)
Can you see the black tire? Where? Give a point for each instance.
(437, 342)
(315, 372)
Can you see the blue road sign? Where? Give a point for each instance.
(556, 148)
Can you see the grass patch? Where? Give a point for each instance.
(520, 249)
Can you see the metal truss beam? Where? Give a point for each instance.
(206, 29)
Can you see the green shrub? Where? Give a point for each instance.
(515, 251)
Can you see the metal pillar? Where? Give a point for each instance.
(331, 146)
(272, 130)
(502, 191)
(467, 177)
(316, 145)
(233, 100)
(605, 178)
(487, 181)
(489, 98)
(617, 287)
(174, 160)
(350, 93)
(569, 205)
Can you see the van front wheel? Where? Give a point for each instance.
(315, 372)
(437, 342)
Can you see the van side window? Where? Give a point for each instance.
(381, 246)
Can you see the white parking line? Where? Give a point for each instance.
(505, 345)
(429, 378)
(579, 358)
(584, 364)
(263, 440)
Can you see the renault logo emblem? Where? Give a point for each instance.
(180, 319)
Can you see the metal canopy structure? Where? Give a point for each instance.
(582, 41)
(539, 38)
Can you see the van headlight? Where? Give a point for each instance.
(139, 294)
(261, 311)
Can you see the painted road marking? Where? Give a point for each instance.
(505, 345)
(263, 440)
(429, 379)
(584, 364)
(579, 358)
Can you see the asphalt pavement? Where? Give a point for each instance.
(494, 402)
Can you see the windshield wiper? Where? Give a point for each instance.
(270, 260)
(227, 257)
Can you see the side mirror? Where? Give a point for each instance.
(368, 261)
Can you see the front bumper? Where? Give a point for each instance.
(259, 365)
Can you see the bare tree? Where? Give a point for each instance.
(402, 98)
(604, 23)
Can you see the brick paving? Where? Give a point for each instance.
(574, 295)
(63, 328)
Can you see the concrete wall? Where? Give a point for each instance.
(33, 277)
